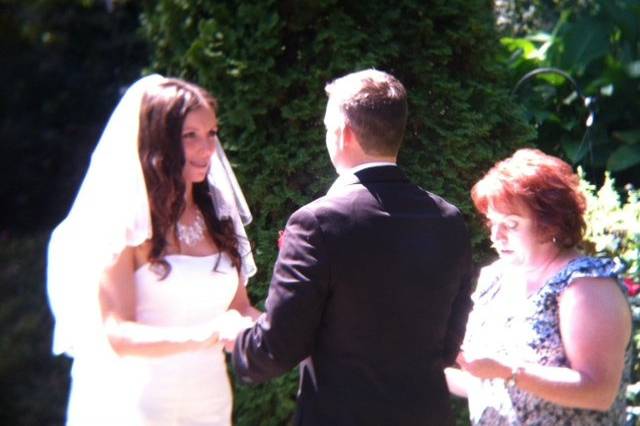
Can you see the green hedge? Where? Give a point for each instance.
(268, 62)
(34, 384)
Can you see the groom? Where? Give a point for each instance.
(370, 292)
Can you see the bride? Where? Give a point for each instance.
(146, 275)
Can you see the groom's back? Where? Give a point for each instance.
(370, 290)
(399, 259)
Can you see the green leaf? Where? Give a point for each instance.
(514, 44)
(540, 115)
(607, 90)
(583, 42)
(624, 157)
(572, 150)
(633, 69)
(552, 78)
(627, 136)
(623, 15)
(588, 149)
(540, 37)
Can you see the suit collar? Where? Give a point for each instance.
(389, 173)
(363, 166)
(382, 173)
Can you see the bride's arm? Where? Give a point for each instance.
(241, 301)
(242, 305)
(128, 337)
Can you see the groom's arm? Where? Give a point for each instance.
(461, 305)
(285, 334)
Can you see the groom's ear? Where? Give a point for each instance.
(350, 139)
(348, 135)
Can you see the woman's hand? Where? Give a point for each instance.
(484, 367)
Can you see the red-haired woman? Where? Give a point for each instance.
(148, 270)
(548, 339)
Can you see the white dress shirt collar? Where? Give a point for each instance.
(348, 176)
(363, 166)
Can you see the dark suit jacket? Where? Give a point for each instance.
(372, 283)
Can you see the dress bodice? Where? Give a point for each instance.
(195, 291)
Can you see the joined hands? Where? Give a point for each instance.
(229, 325)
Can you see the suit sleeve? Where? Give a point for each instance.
(285, 334)
(461, 306)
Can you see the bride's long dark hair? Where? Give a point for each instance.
(162, 115)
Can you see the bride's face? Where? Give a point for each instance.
(199, 135)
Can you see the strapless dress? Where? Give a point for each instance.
(190, 388)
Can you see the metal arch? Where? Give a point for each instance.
(548, 70)
(589, 102)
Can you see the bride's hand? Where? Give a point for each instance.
(222, 329)
(206, 335)
(231, 323)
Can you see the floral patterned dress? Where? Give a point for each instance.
(531, 332)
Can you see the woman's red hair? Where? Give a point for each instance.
(540, 186)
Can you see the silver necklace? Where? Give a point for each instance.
(194, 233)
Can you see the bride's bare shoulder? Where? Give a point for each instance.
(141, 254)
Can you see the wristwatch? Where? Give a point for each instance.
(510, 382)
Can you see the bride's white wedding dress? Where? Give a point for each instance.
(184, 389)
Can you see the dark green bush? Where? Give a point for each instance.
(268, 62)
(34, 383)
(66, 62)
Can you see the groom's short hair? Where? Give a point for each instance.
(374, 106)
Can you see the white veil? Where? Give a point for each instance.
(110, 212)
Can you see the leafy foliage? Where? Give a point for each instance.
(521, 17)
(613, 230)
(613, 226)
(598, 44)
(267, 62)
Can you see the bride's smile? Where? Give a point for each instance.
(199, 135)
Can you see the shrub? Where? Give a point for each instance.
(613, 230)
(613, 224)
(34, 384)
(606, 66)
